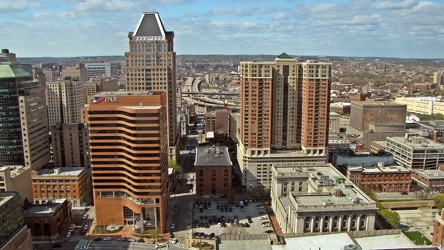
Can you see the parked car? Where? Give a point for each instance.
(57, 245)
(107, 238)
(97, 239)
(160, 246)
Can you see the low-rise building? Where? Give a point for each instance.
(213, 168)
(381, 178)
(48, 220)
(416, 152)
(433, 178)
(13, 232)
(438, 230)
(18, 179)
(319, 199)
(72, 183)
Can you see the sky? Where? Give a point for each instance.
(361, 28)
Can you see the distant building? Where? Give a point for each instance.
(18, 179)
(48, 221)
(69, 144)
(106, 69)
(381, 178)
(73, 184)
(377, 116)
(416, 152)
(422, 105)
(213, 169)
(438, 78)
(24, 133)
(318, 199)
(361, 159)
(334, 122)
(50, 74)
(77, 73)
(218, 122)
(10, 57)
(65, 99)
(13, 231)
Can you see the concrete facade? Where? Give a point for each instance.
(18, 179)
(70, 146)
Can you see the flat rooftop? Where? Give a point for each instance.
(212, 156)
(377, 169)
(393, 241)
(64, 171)
(15, 170)
(331, 182)
(326, 241)
(127, 93)
(429, 144)
(429, 174)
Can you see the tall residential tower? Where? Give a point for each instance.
(150, 65)
(284, 115)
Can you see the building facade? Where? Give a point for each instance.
(318, 199)
(77, 73)
(107, 69)
(129, 157)
(24, 119)
(65, 99)
(416, 152)
(213, 168)
(71, 183)
(381, 178)
(13, 232)
(433, 179)
(17, 179)
(150, 65)
(365, 114)
(69, 144)
(284, 106)
(49, 220)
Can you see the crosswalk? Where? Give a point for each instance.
(181, 245)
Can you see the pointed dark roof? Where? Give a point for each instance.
(284, 56)
(150, 25)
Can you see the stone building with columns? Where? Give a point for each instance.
(318, 198)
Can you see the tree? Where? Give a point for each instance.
(391, 217)
(439, 201)
(177, 168)
(235, 229)
(153, 234)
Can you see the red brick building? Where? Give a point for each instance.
(213, 168)
(438, 230)
(381, 178)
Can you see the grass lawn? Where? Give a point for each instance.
(417, 238)
(396, 200)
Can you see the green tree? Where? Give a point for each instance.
(439, 201)
(177, 168)
(391, 217)
(153, 234)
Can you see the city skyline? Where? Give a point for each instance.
(404, 28)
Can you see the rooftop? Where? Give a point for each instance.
(65, 171)
(12, 71)
(48, 208)
(430, 174)
(213, 156)
(417, 142)
(150, 25)
(379, 169)
(15, 170)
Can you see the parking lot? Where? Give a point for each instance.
(218, 217)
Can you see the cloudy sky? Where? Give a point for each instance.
(380, 28)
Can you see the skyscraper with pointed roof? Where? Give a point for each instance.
(150, 65)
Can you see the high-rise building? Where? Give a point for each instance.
(23, 119)
(129, 157)
(284, 107)
(107, 69)
(69, 144)
(65, 99)
(150, 65)
(14, 234)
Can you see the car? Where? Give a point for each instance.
(98, 239)
(85, 216)
(263, 218)
(171, 235)
(85, 227)
(57, 245)
(160, 246)
(246, 225)
(269, 231)
(131, 240)
(68, 234)
(206, 196)
(140, 240)
(121, 239)
(173, 241)
(173, 226)
(107, 239)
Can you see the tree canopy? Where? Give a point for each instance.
(173, 164)
(439, 201)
